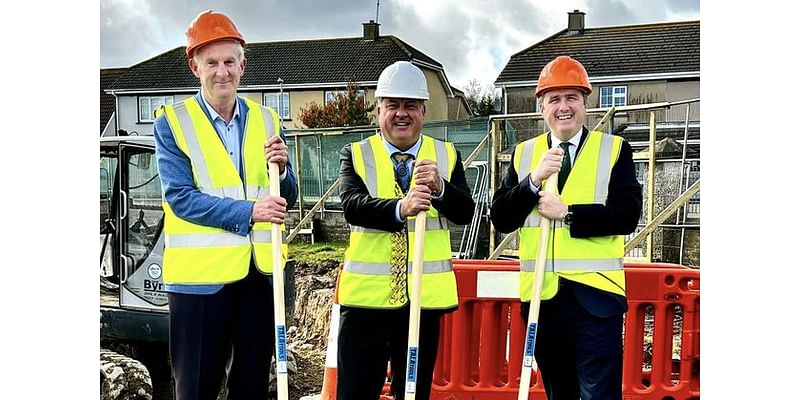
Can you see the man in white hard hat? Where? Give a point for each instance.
(380, 196)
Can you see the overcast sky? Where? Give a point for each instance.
(473, 39)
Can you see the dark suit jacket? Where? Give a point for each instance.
(364, 210)
(514, 201)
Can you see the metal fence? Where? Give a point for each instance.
(314, 153)
(675, 142)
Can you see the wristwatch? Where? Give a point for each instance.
(568, 216)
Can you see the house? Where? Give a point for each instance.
(627, 65)
(107, 101)
(285, 75)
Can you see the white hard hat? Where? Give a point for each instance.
(403, 80)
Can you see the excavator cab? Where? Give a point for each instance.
(131, 239)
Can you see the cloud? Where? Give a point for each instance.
(473, 39)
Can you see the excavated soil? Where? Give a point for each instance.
(308, 335)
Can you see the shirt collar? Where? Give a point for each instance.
(392, 149)
(214, 114)
(575, 140)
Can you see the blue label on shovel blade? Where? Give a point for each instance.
(281, 356)
(411, 370)
(530, 344)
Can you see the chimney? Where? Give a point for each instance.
(371, 30)
(575, 24)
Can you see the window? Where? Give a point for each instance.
(149, 104)
(613, 96)
(330, 95)
(278, 103)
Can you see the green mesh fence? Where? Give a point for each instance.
(318, 151)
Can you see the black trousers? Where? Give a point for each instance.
(229, 333)
(369, 338)
(579, 355)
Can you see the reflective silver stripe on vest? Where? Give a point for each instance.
(369, 168)
(612, 264)
(234, 192)
(603, 169)
(365, 268)
(195, 153)
(257, 192)
(205, 240)
(265, 236)
(442, 160)
(198, 161)
(430, 224)
(535, 219)
(356, 228)
(525, 160)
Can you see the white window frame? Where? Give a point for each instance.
(153, 103)
(330, 95)
(618, 96)
(285, 114)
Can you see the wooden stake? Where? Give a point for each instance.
(528, 361)
(412, 355)
(277, 291)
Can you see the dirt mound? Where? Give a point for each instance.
(308, 335)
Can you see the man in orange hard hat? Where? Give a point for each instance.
(212, 151)
(579, 337)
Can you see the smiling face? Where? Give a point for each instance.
(564, 110)
(219, 66)
(401, 120)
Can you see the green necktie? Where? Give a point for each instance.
(566, 165)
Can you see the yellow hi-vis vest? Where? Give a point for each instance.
(366, 277)
(198, 254)
(595, 261)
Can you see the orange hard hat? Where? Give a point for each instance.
(210, 26)
(563, 72)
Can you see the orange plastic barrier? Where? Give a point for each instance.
(481, 344)
(331, 373)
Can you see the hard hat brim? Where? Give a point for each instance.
(190, 50)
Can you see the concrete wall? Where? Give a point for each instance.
(329, 226)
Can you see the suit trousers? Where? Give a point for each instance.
(369, 338)
(579, 354)
(228, 333)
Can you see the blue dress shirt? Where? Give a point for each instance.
(197, 207)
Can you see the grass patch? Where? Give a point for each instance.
(318, 252)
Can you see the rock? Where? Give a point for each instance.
(122, 377)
